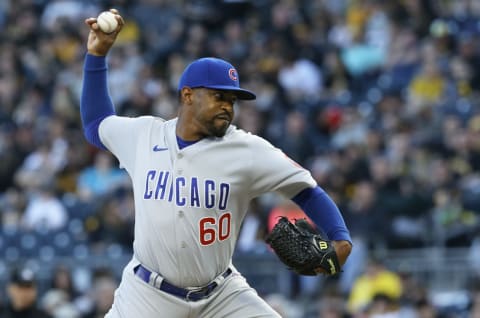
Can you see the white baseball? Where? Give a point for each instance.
(106, 22)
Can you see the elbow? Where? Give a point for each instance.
(90, 132)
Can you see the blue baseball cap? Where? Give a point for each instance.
(214, 73)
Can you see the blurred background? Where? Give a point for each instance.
(379, 99)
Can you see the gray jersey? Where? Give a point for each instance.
(190, 203)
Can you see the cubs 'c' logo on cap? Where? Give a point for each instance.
(232, 73)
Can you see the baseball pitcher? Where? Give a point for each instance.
(193, 178)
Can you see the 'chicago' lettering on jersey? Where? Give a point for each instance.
(183, 191)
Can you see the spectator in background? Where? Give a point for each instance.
(12, 203)
(249, 119)
(113, 222)
(101, 178)
(61, 288)
(40, 166)
(366, 218)
(376, 280)
(336, 77)
(330, 302)
(362, 60)
(101, 294)
(426, 309)
(460, 84)
(300, 78)
(22, 295)
(427, 88)
(453, 225)
(294, 139)
(352, 130)
(44, 210)
(403, 57)
(365, 213)
(56, 304)
(11, 154)
(383, 306)
(414, 292)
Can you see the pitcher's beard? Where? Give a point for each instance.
(218, 129)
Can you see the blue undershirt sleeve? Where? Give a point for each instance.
(95, 101)
(324, 213)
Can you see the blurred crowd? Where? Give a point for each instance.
(379, 99)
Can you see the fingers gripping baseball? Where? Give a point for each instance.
(99, 41)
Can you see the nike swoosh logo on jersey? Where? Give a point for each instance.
(157, 148)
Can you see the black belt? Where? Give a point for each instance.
(186, 294)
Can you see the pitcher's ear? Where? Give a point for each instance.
(185, 95)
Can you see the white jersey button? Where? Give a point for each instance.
(180, 214)
(183, 244)
(180, 171)
(179, 156)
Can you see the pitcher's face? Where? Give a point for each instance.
(213, 109)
